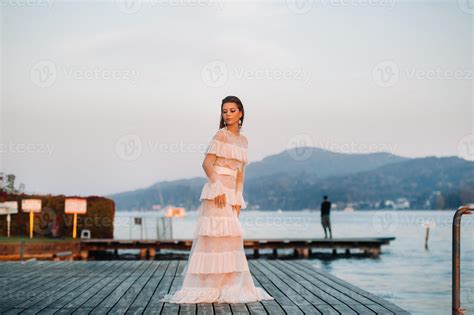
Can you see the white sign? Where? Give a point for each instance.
(31, 205)
(9, 207)
(75, 205)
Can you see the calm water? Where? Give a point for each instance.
(405, 274)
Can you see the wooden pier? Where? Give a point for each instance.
(135, 287)
(301, 247)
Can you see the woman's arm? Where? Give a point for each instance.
(239, 188)
(208, 166)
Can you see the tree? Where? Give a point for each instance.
(10, 187)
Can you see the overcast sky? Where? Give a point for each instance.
(103, 97)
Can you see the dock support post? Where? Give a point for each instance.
(256, 253)
(275, 253)
(152, 253)
(84, 255)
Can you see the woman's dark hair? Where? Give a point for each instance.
(236, 100)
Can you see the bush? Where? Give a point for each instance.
(99, 218)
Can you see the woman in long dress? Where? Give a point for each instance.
(217, 269)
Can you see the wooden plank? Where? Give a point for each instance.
(366, 298)
(141, 301)
(154, 306)
(173, 308)
(63, 288)
(294, 296)
(91, 280)
(256, 308)
(270, 306)
(32, 294)
(277, 293)
(239, 308)
(125, 288)
(132, 293)
(222, 309)
(135, 287)
(326, 303)
(102, 300)
(205, 309)
(39, 308)
(30, 277)
(74, 305)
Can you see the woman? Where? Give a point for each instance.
(217, 269)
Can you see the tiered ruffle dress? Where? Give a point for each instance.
(217, 269)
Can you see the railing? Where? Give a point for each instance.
(456, 298)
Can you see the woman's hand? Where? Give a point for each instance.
(236, 208)
(220, 201)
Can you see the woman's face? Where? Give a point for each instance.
(231, 113)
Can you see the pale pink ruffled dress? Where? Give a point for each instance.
(217, 269)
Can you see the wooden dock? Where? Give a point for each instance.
(135, 287)
(301, 247)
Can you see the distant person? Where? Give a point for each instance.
(325, 213)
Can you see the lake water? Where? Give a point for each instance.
(406, 274)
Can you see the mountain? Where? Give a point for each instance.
(426, 183)
(294, 180)
(318, 163)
